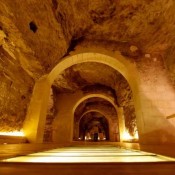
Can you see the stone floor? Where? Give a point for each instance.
(93, 153)
(83, 158)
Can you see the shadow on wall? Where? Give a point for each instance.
(158, 130)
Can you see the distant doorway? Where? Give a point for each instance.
(93, 127)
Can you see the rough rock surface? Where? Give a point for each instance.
(15, 92)
(36, 34)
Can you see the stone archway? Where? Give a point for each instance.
(113, 126)
(99, 95)
(67, 114)
(36, 116)
(87, 122)
(108, 98)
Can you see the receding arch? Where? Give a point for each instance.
(128, 72)
(38, 105)
(110, 99)
(98, 111)
(88, 96)
(94, 110)
(117, 62)
(108, 120)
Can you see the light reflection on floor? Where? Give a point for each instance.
(90, 154)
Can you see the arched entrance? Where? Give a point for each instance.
(89, 122)
(35, 120)
(115, 117)
(118, 126)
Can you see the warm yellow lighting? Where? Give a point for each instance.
(12, 133)
(87, 137)
(127, 136)
(136, 135)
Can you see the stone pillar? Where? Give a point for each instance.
(112, 130)
(63, 128)
(76, 130)
(121, 120)
(63, 123)
(36, 115)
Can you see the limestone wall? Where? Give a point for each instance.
(16, 88)
(157, 98)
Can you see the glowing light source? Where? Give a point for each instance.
(136, 135)
(12, 133)
(127, 136)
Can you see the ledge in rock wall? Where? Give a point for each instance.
(12, 139)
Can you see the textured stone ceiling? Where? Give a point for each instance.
(60, 25)
(36, 34)
(82, 75)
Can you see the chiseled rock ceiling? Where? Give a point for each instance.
(79, 76)
(95, 78)
(36, 34)
(44, 31)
